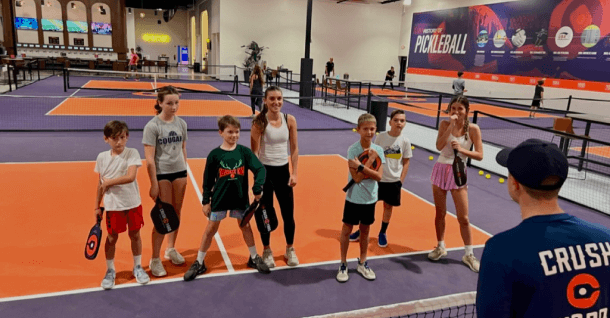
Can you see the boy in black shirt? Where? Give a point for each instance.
(225, 182)
(330, 67)
(389, 77)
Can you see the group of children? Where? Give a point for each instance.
(226, 188)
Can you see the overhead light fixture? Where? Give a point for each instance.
(142, 15)
(407, 2)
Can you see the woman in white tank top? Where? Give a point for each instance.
(271, 134)
(454, 134)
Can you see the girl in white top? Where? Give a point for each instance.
(454, 134)
(164, 140)
(271, 134)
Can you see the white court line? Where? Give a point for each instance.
(221, 246)
(47, 114)
(432, 204)
(208, 276)
(143, 160)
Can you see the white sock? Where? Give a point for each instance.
(137, 260)
(441, 244)
(110, 264)
(200, 256)
(468, 249)
(252, 250)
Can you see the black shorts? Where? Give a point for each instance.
(389, 192)
(171, 176)
(355, 214)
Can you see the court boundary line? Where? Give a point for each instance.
(221, 246)
(432, 204)
(50, 111)
(203, 158)
(206, 276)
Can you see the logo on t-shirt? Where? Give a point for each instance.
(393, 152)
(226, 170)
(173, 137)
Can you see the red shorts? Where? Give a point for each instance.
(116, 221)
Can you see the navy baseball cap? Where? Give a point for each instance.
(534, 160)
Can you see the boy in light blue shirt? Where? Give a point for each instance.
(362, 196)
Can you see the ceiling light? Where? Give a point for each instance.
(407, 2)
(142, 15)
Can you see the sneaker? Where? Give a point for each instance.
(196, 269)
(173, 255)
(472, 262)
(257, 262)
(342, 275)
(140, 274)
(437, 253)
(268, 258)
(156, 267)
(383, 240)
(108, 281)
(354, 236)
(366, 271)
(291, 257)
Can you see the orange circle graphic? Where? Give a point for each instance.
(577, 283)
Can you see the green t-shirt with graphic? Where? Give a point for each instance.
(225, 179)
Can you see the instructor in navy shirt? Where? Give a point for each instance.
(552, 264)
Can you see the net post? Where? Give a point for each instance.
(438, 113)
(368, 102)
(236, 83)
(569, 104)
(8, 73)
(65, 84)
(235, 70)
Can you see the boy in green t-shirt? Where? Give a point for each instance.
(225, 183)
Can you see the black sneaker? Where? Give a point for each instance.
(196, 269)
(257, 262)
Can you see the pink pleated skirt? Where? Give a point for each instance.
(442, 177)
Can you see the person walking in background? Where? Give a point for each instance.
(389, 76)
(538, 98)
(330, 68)
(458, 88)
(256, 88)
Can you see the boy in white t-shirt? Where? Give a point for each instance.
(118, 169)
(397, 153)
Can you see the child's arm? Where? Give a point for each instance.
(405, 168)
(98, 198)
(149, 153)
(359, 176)
(443, 132)
(127, 178)
(209, 180)
(259, 172)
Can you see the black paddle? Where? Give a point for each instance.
(164, 217)
(249, 213)
(459, 170)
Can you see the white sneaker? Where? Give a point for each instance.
(108, 281)
(174, 256)
(156, 267)
(342, 275)
(268, 258)
(366, 271)
(291, 257)
(437, 253)
(140, 274)
(471, 262)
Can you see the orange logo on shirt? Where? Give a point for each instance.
(232, 171)
(583, 291)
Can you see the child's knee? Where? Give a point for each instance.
(112, 238)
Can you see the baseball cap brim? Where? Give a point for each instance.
(502, 156)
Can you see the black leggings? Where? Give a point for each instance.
(277, 181)
(256, 101)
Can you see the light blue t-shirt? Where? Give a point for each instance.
(364, 192)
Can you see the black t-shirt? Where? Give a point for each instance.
(330, 66)
(391, 75)
(538, 93)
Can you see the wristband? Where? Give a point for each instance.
(360, 168)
